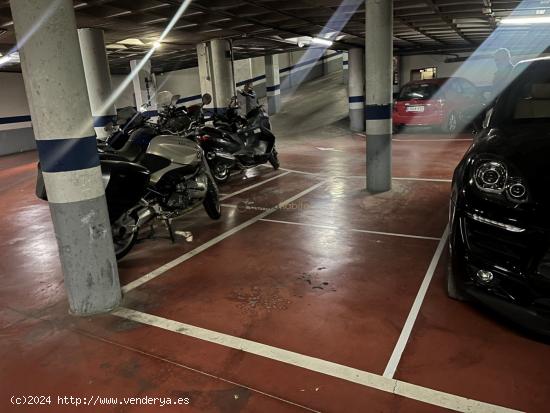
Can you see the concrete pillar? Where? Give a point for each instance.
(356, 90)
(345, 67)
(98, 78)
(60, 110)
(272, 84)
(216, 72)
(145, 88)
(379, 63)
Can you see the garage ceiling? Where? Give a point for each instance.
(260, 27)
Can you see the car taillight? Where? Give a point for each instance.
(203, 138)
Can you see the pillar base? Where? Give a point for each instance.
(379, 163)
(84, 238)
(357, 120)
(273, 104)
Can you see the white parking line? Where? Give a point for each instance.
(350, 374)
(393, 234)
(240, 191)
(319, 175)
(391, 367)
(434, 140)
(161, 270)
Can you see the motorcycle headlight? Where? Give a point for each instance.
(491, 177)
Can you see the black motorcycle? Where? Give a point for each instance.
(236, 142)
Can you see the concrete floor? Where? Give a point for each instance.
(333, 302)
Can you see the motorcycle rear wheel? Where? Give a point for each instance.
(274, 160)
(123, 238)
(211, 202)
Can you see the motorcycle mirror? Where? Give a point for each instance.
(175, 99)
(206, 99)
(164, 99)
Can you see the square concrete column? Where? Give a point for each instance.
(60, 110)
(272, 84)
(216, 72)
(379, 74)
(345, 67)
(356, 90)
(145, 87)
(98, 79)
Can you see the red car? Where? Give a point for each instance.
(448, 103)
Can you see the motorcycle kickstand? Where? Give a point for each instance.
(151, 232)
(168, 223)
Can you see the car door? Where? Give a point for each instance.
(473, 101)
(454, 100)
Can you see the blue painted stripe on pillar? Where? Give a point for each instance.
(272, 88)
(189, 99)
(15, 119)
(376, 112)
(150, 113)
(356, 99)
(100, 121)
(254, 79)
(64, 155)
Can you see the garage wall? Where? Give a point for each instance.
(126, 98)
(16, 132)
(479, 70)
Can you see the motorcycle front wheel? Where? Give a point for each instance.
(221, 171)
(125, 235)
(211, 202)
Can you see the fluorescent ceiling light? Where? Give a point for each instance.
(122, 13)
(131, 42)
(115, 46)
(526, 20)
(183, 26)
(155, 20)
(323, 42)
(156, 45)
(76, 6)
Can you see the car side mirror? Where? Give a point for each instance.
(174, 100)
(487, 120)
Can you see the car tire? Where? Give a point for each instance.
(397, 129)
(452, 289)
(452, 124)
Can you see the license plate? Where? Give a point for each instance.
(415, 108)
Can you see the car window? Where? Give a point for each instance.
(528, 97)
(468, 90)
(452, 90)
(421, 91)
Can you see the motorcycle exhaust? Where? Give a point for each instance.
(145, 215)
(224, 155)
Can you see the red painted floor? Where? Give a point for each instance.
(332, 275)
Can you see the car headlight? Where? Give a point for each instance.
(493, 177)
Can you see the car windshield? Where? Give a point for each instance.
(528, 98)
(420, 91)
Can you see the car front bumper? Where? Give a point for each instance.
(519, 263)
(418, 119)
